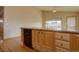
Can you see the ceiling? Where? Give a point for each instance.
(60, 8)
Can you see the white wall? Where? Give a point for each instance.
(17, 17)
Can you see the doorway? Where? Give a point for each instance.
(1, 22)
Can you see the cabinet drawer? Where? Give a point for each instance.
(62, 36)
(77, 35)
(58, 49)
(63, 44)
(66, 37)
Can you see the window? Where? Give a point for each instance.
(54, 23)
(71, 22)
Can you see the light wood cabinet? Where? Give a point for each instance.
(62, 36)
(62, 42)
(46, 40)
(43, 39)
(74, 42)
(49, 39)
(35, 40)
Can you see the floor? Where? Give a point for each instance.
(13, 45)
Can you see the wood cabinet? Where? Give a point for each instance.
(62, 42)
(46, 40)
(54, 41)
(67, 42)
(43, 40)
(35, 38)
(74, 42)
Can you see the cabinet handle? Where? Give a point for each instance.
(61, 44)
(42, 32)
(61, 37)
(39, 32)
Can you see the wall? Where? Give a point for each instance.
(17, 17)
(49, 15)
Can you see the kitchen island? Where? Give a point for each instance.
(51, 39)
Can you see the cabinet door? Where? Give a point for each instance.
(41, 37)
(74, 42)
(34, 38)
(37, 39)
(49, 39)
(77, 40)
(46, 41)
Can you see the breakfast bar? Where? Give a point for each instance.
(50, 39)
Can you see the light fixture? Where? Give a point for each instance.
(54, 11)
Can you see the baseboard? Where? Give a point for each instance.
(13, 37)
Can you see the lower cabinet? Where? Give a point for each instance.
(43, 40)
(67, 42)
(47, 41)
(62, 42)
(74, 42)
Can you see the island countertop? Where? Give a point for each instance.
(70, 30)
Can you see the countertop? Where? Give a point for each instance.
(67, 30)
